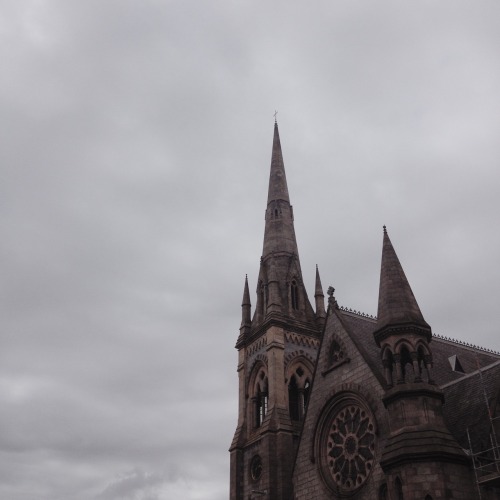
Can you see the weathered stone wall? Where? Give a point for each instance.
(350, 375)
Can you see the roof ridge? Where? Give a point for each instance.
(472, 374)
(357, 313)
(466, 344)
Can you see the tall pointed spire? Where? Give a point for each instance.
(280, 287)
(278, 189)
(397, 305)
(279, 235)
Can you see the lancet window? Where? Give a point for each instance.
(260, 399)
(298, 392)
(294, 294)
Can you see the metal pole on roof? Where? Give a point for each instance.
(474, 465)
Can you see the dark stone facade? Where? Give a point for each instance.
(336, 404)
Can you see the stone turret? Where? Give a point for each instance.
(419, 441)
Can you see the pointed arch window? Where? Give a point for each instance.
(406, 365)
(260, 397)
(294, 294)
(388, 363)
(293, 399)
(262, 401)
(298, 393)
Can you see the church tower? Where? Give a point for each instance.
(420, 454)
(277, 350)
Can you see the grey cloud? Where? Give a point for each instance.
(134, 158)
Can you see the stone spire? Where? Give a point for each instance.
(278, 189)
(246, 306)
(279, 234)
(320, 300)
(280, 288)
(246, 314)
(397, 306)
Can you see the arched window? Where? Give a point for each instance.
(382, 493)
(388, 363)
(421, 359)
(294, 399)
(298, 391)
(260, 396)
(262, 399)
(294, 294)
(406, 365)
(428, 497)
(398, 486)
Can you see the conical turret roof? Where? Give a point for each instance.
(396, 303)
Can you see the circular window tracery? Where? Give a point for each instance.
(347, 444)
(256, 468)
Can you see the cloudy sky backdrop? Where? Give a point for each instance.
(135, 148)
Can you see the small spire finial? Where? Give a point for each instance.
(385, 229)
(275, 113)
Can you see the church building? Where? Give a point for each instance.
(336, 404)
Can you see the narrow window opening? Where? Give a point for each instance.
(421, 360)
(262, 400)
(405, 361)
(294, 295)
(307, 386)
(293, 399)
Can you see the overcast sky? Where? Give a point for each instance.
(135, 148)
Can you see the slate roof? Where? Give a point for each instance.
(466, 407)
(464, 394)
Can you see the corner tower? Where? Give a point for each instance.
(277, 350)
(420, 454)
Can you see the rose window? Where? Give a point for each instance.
(350, 447)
